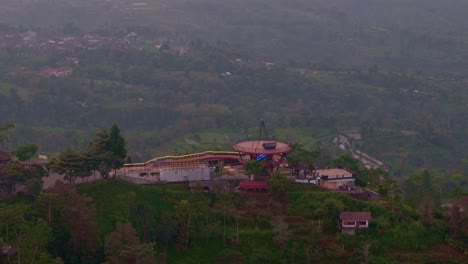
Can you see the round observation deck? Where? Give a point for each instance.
(258, 147)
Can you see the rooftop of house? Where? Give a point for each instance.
(358, 216)
(345, 179)
(334, 173)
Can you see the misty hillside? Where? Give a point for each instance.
(364, 160)
(333, 65)
(418, 35)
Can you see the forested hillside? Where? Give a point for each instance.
(159, 97)
(315, 66)
(113, 221)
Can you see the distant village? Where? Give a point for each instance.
(68, 45)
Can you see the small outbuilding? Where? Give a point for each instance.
(253, 186)
(334, 179)
(350, 221)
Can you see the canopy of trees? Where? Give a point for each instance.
(104, 153)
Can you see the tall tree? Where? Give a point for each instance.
(117, 241)
(22, 230)
(225, 202)
(99, 153)
(299, 155)
(277, 184)
(4, 128)
(294, 155)
(75, 213)
(372, 178)
(426, 200)
(252, 167)
(281, 230)
(107, 151)
(127, 202)
(26, 152)
(142, 253)
(49, 199)
(16, 173)
(347, 162)
(190, 217)
(117, 147)
(71, 164)
(331, 209)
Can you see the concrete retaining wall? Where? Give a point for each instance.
(176, 175)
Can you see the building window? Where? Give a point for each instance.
(349, 223)
(143, 174)
(362, 223)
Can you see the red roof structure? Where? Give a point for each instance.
(351, 221)
(253, 185)
(356, 216)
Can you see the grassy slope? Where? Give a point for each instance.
(163, 198)
(105, 196)
(256, 236)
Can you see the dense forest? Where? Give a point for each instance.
(112, 221)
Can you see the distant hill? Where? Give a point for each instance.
(425, 35)
(197, 68)
(160, 98)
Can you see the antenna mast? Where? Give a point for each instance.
(263, 132)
